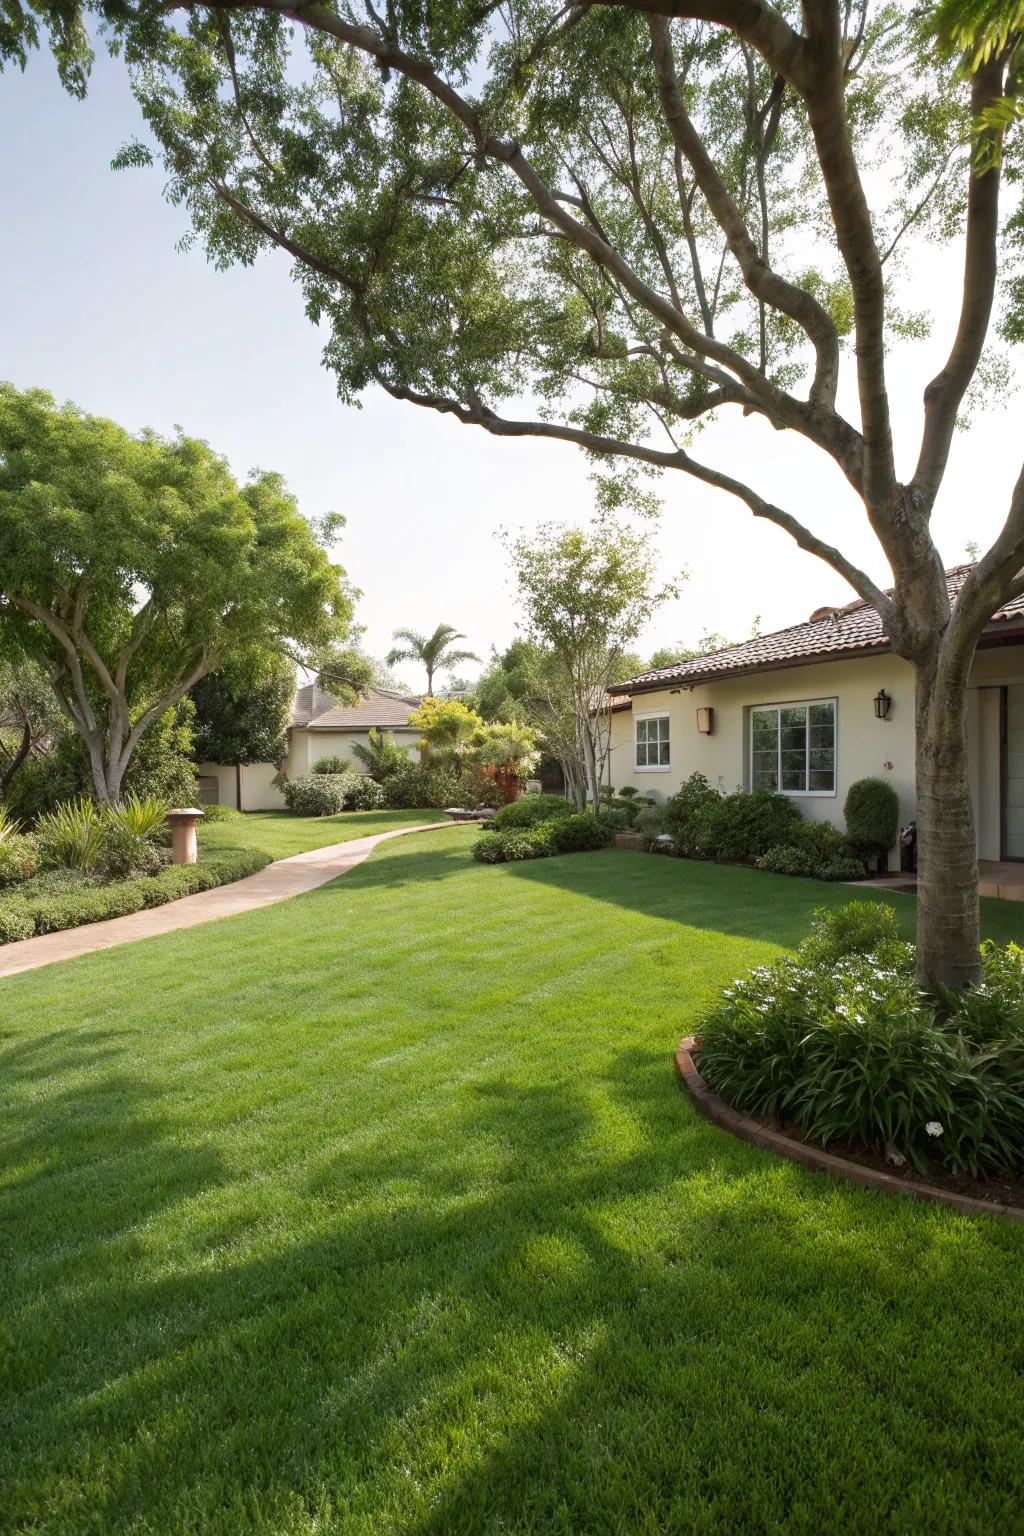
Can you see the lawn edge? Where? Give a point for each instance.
(746, 1129)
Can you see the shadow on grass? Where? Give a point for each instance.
(566, 1307)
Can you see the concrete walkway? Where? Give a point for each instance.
(277, 882)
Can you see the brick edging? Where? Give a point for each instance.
(722, 1114)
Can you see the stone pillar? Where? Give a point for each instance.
(183, 823)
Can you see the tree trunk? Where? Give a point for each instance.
(948, 921)
(24, 747)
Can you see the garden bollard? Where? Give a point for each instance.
(183, 823)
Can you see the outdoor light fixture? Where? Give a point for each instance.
(705, 721)
(883, 704)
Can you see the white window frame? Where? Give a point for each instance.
(806, 704)
(652, 714)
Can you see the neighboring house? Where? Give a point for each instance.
(805, 710)
(319, 727)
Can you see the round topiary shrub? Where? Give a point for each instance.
(577, 834)
(220, 813)
(872, 812)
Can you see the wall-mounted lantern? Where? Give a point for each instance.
(883, 704)
(705, 721)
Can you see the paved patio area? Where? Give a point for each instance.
(277, 882)
(1002, 878)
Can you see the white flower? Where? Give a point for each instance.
(933, 1128)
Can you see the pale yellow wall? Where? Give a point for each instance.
(865, 746)
(260, 793)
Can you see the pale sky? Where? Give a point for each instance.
(98, 307)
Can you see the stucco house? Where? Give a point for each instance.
(319, 727)
(812, 708)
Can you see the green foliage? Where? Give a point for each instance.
(839, 1042)
(45, 780)
(528, 810)
(19, 857)
(686, 812)
(40, 908)
(153, 566)
(332, 764)
(446, 726)
(143, 818)
(242, 716)
(628, 792)
(614, 818)
(650, 823)
(414, 784)
(365, 795)
(319, 794)
(381, 756)
(577, 834)
(816, 849)
(741, 827)
(125, 853)
(872, 813)
(72, 835)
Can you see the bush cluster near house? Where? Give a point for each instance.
(84, 863)
(536, 827)
(838, 1041)
(757, 827)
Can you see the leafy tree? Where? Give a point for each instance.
(29, 718)
(642, 214)
(242, 718)
(502, 690)
(585, 597)
(133, 566)
(446, 725)
(433, 651)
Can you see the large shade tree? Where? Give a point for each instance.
(133, 566)
(637, 215)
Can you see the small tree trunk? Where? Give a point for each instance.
(948, 921)
(24, 747)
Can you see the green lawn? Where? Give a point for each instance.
(283, 834)
(382, 1211)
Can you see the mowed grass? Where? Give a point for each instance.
(383, 1211)
(281, 834)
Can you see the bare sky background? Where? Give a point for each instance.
(99, 307)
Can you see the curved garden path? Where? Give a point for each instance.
(277, 882)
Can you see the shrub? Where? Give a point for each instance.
(489, 849)
(414, 785)
(577, 834)
(318, 794)
(15, 924)
(219, 813)
(615, 819)
(142, 817)
(381, 756)
(816, 849)
(19, 857)
(839, 1041)
(331, 765)
(628, 791)
(684, 811)
(651, 823)
(125, 853)
(741, 827)
(72, 835)
(61, 898)
(872, 812)
(365, 795)
(528, 810)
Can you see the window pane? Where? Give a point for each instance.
(765, 773)
(824, 714)
(663, 754)
(765, 730)
(823, 779)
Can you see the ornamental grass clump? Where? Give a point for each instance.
(839, 1042)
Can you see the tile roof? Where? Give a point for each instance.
(830, 632)
(380, 708)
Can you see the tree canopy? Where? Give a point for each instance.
(243, 718)
(132, 566)
(431, 651)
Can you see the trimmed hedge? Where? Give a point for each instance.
(50, 907)
(872, 812)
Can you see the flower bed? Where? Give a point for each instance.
(838, 1045)
(49, 903)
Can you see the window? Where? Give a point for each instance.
(652, 741)
(793, 747)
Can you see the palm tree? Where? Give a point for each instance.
(434, 651)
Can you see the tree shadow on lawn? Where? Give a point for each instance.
(570, 1307)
